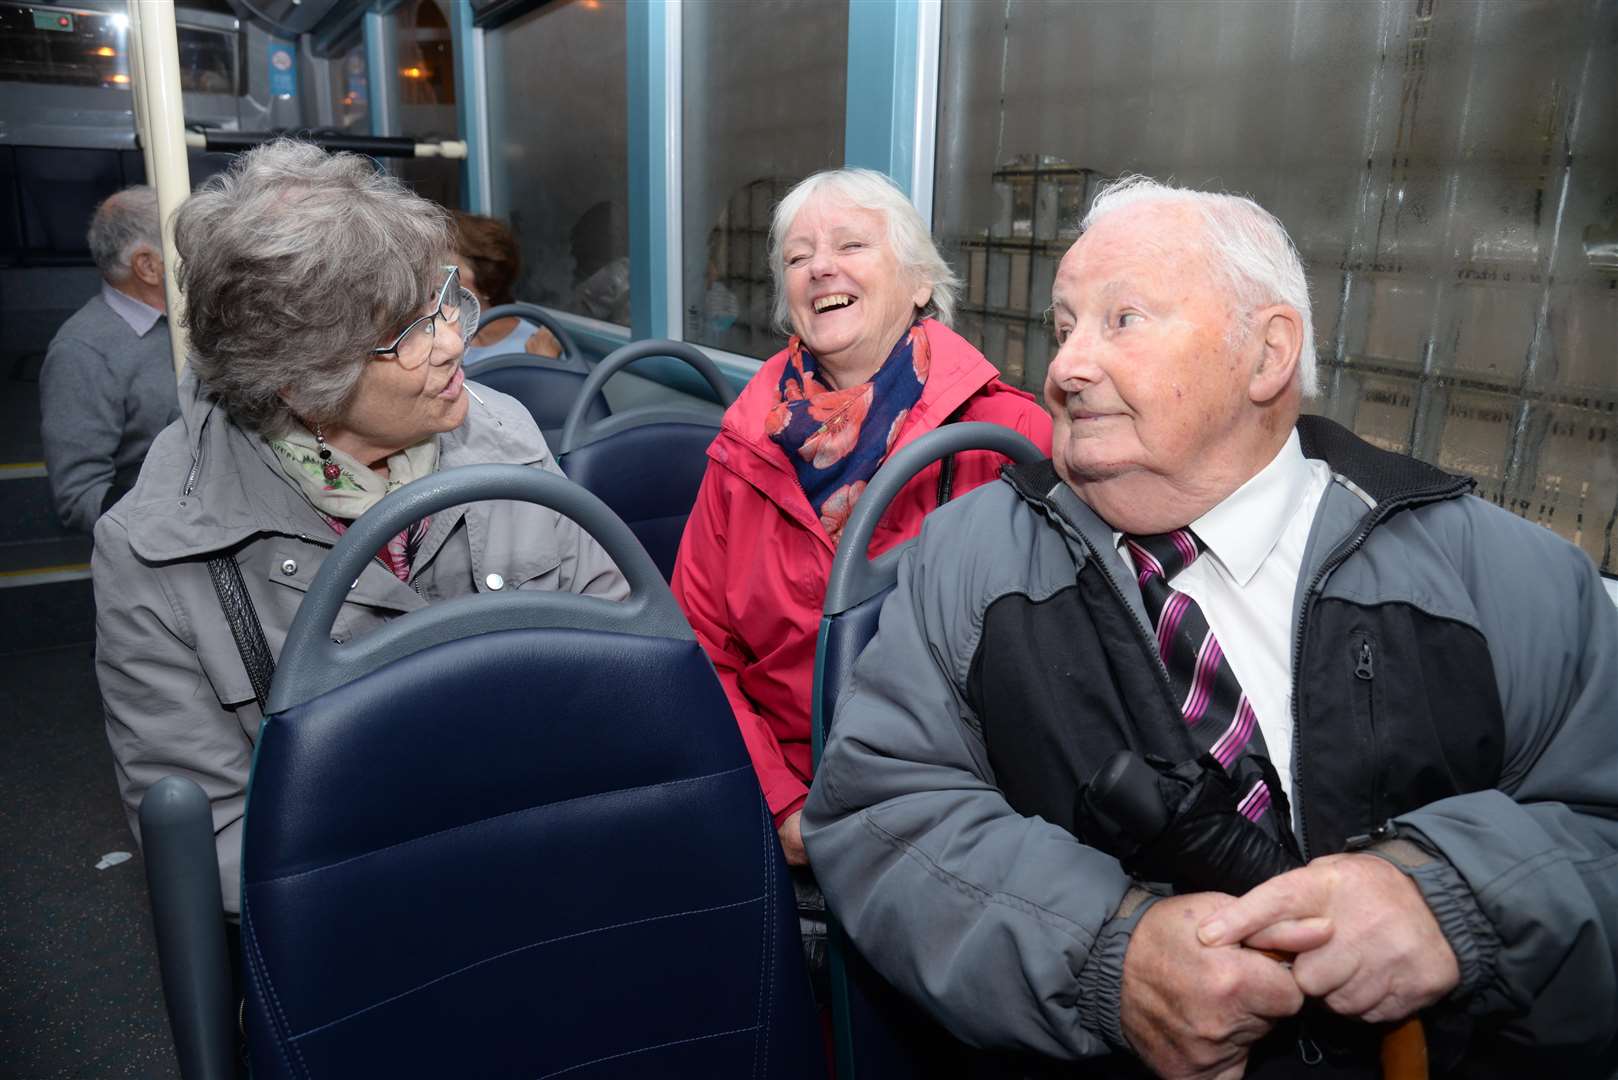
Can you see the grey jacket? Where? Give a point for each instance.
(105, 392)
(1009, 929)
(177, 695)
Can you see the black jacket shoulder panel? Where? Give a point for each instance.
(1382, 474)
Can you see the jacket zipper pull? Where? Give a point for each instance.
(1364, 669)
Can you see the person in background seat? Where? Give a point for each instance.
(107, 387)
(1279, 612)
(491, 264)
(313, 391)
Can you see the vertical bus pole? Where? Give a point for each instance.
(137, 90)
(162, 114)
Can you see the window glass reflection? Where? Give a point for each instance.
(64, 47)
(207, 61)
(763, 107)
(1447, 171)
(426, 76)
(558, 112)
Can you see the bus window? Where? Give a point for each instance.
(208, 61)
(1460, 316)
(62, 46)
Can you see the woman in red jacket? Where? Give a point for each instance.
(871, 366)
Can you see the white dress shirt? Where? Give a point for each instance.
(1246, 579)
(140, 316)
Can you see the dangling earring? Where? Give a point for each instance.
(328, 468)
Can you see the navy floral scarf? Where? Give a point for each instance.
(835, 439)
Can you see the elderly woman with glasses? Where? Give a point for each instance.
(327, 329)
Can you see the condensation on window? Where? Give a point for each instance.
(1447, 170)
(426, 81)
(558, 117)
(763, 107)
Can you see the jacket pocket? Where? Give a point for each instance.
(509, 544)
(1363, 661)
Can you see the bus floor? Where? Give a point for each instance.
(80, 994)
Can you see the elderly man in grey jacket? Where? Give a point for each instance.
(1409, 689)
(107, 387)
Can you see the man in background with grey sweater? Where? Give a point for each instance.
(108, 384)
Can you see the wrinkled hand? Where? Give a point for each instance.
(791, 834)
(1386, 957)
(1191, 1011)
(543, 343)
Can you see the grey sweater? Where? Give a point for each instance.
(105, 392)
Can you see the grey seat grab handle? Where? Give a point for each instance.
(182, 877)
(574, 434)
(536, 314)
(854, 577)
(312, 664)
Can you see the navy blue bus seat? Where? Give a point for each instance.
(11, 246)
(646, 463)
(57, 191)
(515, 834)
(50, 193)
(545, 390)
(546, 386)
(880, 1034)
(572, 358)
(202, 165)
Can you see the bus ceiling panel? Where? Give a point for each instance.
(294, 18)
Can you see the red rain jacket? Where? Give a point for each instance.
(753, 563)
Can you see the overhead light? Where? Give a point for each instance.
(120, 78)
(120, 21)
(106, 50)
(414, 73)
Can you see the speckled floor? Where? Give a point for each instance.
(79, 989)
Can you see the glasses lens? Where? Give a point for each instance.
(417, 344)
(467, 312)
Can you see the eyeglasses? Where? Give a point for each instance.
(455, 307)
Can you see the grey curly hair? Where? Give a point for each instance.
(912, 244)
(295, 263)
(125, 222)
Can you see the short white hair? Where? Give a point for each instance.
(1247, 246)
(912, 243)
(125, 223)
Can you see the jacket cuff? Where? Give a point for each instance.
(1101, 980)
(1469, 932)
(780, 815)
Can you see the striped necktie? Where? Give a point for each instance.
(1215, 709)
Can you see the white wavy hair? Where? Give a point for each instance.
(913, 247)
(1247, 245)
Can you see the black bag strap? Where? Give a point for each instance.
(244, 625)
(946, 480)
(946, 472)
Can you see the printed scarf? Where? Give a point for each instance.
(836, 439)
(358, 488)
